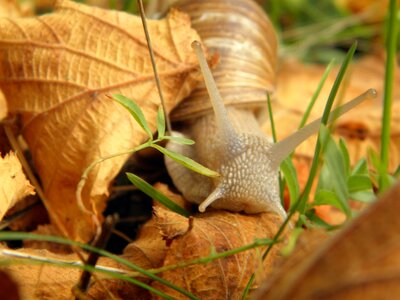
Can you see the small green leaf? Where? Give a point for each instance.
(292, 241)
(187, 162)
(363, 196)
(154, 194)
(318, 222)
(384, 179)
(289, 172)
(397, 172)
(334, 164)
(179, 139)
(361, 168)
(358, 183)
(135, 111)
(345, 154)
(326, 197)
(160, 123)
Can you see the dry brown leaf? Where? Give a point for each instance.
(149, 248)
(55, 71)
(362, 261)
(49, 230)
(360, 127)
(221, 279)
(10, 8)
(3, 106)
(13, 184)
(8, 287)
(55, 282)
(225, 278)
(377, 9)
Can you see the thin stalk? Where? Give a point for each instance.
(316, 93)
(153, 63)
(392, 28)
(7, 236)
(101, 242)
(271, 119)
(299, 205)
(91, 269)
(282, 182)
(85, 174)
(211, 257)
(324, 120)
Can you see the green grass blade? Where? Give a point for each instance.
(160, 123)
(111, 274)
(316, 93)
(135, 111)
(153, 193)
(391, 43)
(187, 162)
(271, 119)
(345, 154)
(327, 197)
(290, 174)
(301, 203)
(179, 140)
(324, 120)
(7, 236)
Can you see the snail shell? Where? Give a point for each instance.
(243, 37)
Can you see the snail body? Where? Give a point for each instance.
(242, 35)
(227, 129)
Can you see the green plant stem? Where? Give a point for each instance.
(271, 119)
(7, 236)
(211, 257)
(391, 42)
(85, 174)
(90, 269)
(299, 205)
(325, 117)
(154, 65)
(316, 93)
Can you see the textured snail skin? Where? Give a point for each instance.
(246, 43)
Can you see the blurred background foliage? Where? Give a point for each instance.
(311, 30)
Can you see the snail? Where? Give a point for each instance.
(227, 132)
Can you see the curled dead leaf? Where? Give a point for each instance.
(55, 72)
(8, 287)
(47, 281)
(149, 248)
(365, 254)
(13, 184)
(217, 231)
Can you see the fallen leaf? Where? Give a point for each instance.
(149, 248)
(49, 230)
(362, 261)
(10, 8)
(360, 127)
(3, 107)
(217, 231)
(13, 184)
(27, 215)
(376, 9)
(55, 72)
(8, 287)
(55, 282)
